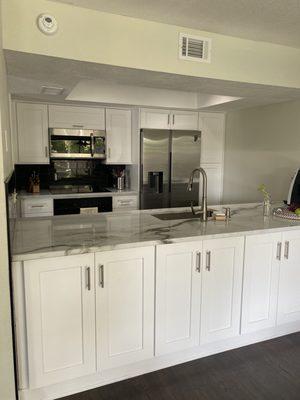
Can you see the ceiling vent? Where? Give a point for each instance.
(194, 48)
(52, 90)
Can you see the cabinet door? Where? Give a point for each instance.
(155, 119)
(214, 183)
(212, 138)
(124, 306)
(76, 117)
(118, 136)
(289, 279)
(60, 318)
(221, 288)
(185, 120)
(32, 127)
(261, 274)
(178, 285)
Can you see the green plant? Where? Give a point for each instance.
(264, 192)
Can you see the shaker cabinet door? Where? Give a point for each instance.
(60, 318)
(32, 133)
(178, 286)
(124, 306)
(118, 136)
(261, 273)
(289, 279)
(221, 288)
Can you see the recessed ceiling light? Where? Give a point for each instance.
(52, 90)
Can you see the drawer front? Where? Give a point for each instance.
(32, 207)
(125, 203)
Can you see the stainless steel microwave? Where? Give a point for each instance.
(77, 143)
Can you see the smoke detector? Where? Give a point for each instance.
(47, 24)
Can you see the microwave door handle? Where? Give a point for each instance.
(92, 145)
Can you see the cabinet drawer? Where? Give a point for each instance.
(125, 203)
(36, 207)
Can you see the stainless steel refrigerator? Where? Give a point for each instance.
(167, 159)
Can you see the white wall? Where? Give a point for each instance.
(262, 146)
(7, 389)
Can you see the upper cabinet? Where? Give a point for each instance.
(76, 117)
(118, 136)
(167, 119)
(211, 126)
(32, 133)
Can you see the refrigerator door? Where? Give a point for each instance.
(186, 146)
(155, 169)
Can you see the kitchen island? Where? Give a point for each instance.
(103, 298)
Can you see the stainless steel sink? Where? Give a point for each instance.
(181, 215)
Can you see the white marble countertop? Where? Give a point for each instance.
(46, 193)
(76, 234)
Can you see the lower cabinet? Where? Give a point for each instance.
(261, 276)
(124, 306)
(60, 318)
(271, 293)
(222, 278)
(178, 288)
(198, 293)
(289, 280)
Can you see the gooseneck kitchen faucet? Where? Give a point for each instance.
(203, 210)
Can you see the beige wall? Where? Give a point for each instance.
(262, 146)
(6, 356)
(90, 35)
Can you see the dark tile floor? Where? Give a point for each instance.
(264, 371)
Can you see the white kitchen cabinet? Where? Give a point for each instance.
(168, 119)
(32, 134)
(124, 306)
(60, 318)
(212, 127)
(38, 206)
(184, 120)
(178, 293)
(214, 174)
(118, 136)
(155, 118)
(221, 288)
(76, 117)
(261, 275)
(289, 279)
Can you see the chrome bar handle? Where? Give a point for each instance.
(173, 119)
(208, 260)
(101, 275)
(198, 261)
(278, 253)
(286, 250)
(88, 281)
(168, 119)
(46, 151)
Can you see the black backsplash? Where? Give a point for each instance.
(68, 172)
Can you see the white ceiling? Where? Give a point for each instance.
(27, 74)
(275, 21)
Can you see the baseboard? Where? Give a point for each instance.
(156, 363)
